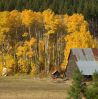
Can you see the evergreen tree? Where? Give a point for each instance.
(76, 87)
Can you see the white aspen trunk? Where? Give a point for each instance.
(45, 54)
(35, 47)
(53, 55)
(30, 33)
(7, 45)
(47, 59)
(37, 58)
(60, 50)
(4, 61)
(16, 35)
(58, 53)
(57, 50)
(39, 50)
(48, 56)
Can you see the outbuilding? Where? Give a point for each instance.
(84, 59)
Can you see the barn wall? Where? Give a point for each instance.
(71, 66)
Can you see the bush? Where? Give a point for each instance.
(92, 91)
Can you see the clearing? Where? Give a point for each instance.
(32, 88)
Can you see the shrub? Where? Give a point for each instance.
(92, 91)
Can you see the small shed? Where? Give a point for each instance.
(84, 59)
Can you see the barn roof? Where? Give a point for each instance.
(86, 60)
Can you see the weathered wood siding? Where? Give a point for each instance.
(71, 66)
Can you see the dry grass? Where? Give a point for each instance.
(30, 88)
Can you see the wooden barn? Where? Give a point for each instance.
(86, 60)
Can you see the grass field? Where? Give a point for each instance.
(30, 88)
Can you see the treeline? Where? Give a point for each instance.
(35, 42)
(89, 8)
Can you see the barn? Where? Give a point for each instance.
(84, 59)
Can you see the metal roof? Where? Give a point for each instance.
(85, 54)
(86, 60)
(87, 67)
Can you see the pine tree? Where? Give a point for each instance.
(75, 91)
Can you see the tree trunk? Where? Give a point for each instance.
(47, 58)
(30, 33)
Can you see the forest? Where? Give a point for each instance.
(89, 8)
(32, 42)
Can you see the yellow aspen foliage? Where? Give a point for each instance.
(66, 19)
(1, 68)
(22, 65)
(24, 53)
(41, 50)
(38, 18)
(4, 28)
(27, 17)
(10, 62)
(77, 40)
(58, 21)
(26, 49)
(4, 24)
(51, 21)
(79, 36)
(1, 64)
(20, 51)
(2, 36)
(30, 53)
(34, 69)
(18, 31)
(15, 18)
(25, 34)
(32, 42)
(48, 19)
(41, 45)
(49, 32)
(75, 23)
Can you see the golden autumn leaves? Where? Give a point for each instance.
(36, 39)
(78, 35)
(24, 53)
